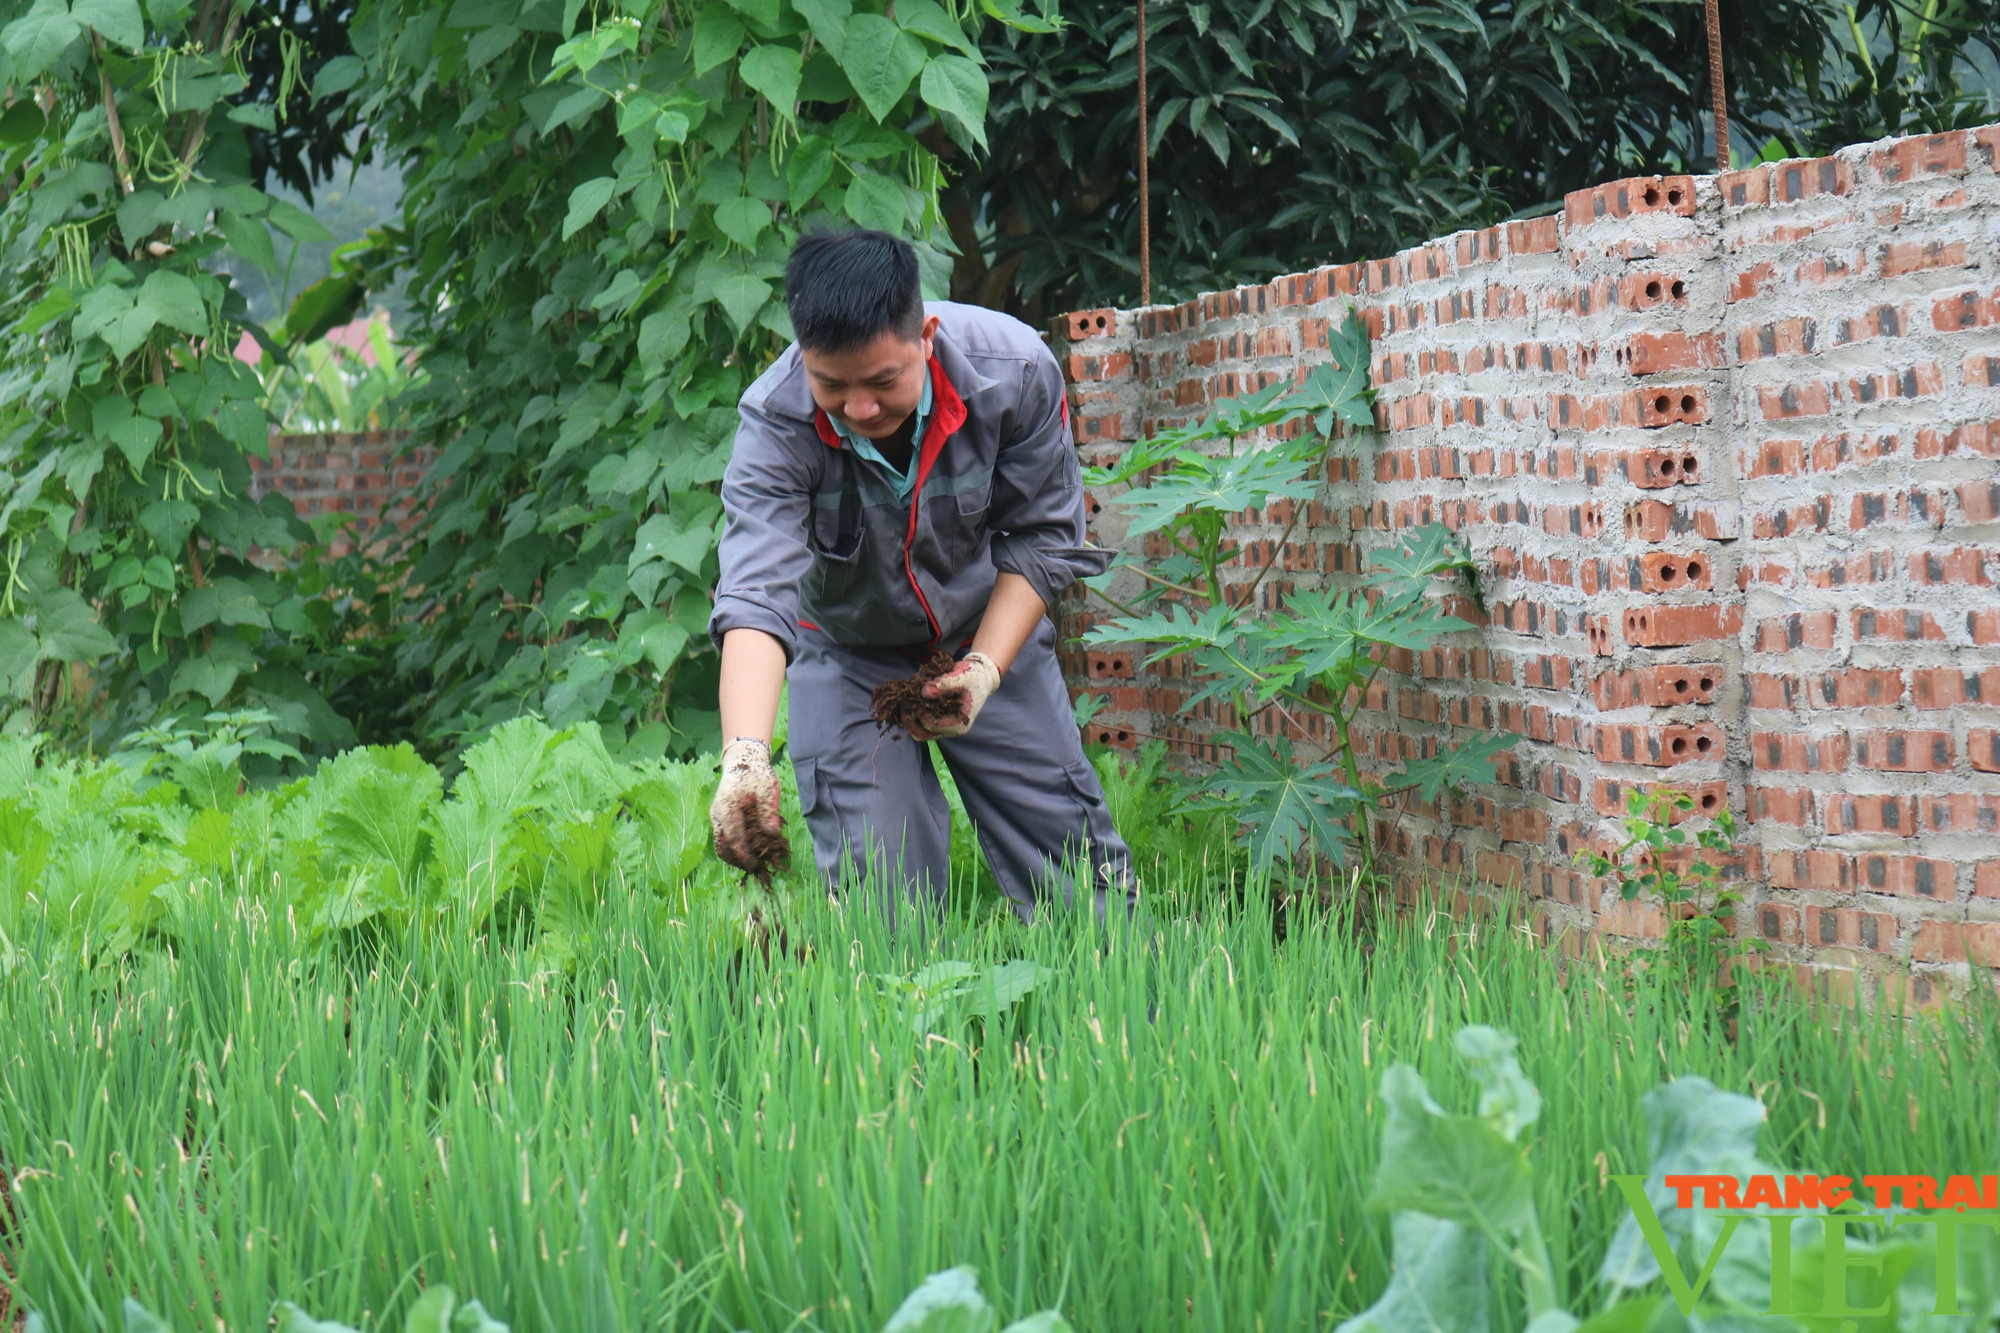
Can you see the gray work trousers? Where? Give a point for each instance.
(879, 816)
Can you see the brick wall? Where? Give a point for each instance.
(360, 474)
(1725, 447)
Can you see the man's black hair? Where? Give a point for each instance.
(845, 289)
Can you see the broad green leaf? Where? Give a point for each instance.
(168, 522)
(337, 76)
(657, 635)
(667, 538)
(927, 19)
(472, 1318)
(21, 123)
(741, 297)
(298, 224)
(743, 220)
(138, 1319)
(774, 72)
(116, 20)
(955, 85)
(323, 306)
(718, 34)
(881, 61)
(810, 168)
(828, 21)
(18, 654)
(1286, 805)
(586, 201)
(111, 313)
(432, 1311)
(662, 335)
(216, 672)
(38, 38)
(292, 1319)
(1692, 1127)
(489, 43)
(250, 238)
(1438, 1284)
(175, 301)
(762, 14)
(1467, 764)
(1457, 1168)
(876, 202)
(1509, 1102)
(68, 628)
(136, 438)
(947, 1302)
(225, 601)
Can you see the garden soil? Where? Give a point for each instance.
(901, 703)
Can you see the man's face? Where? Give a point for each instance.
(872, 390)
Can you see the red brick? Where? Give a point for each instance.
(1809, 870)
(1917, 381)
(1608, 797)
(1751, 281)
(1986, 879)
(1668, 572)
(1944, 687)
(1795, 806)
(1655, 687)
(1960, 812)
(1774, 458)
(1957, 942)
(1896, 625)
(1092, 324)
(1783, 402)
(1906, 876)
(1621, 199)
(1658, 746)
(1502, 871)
(1848, 813)
(1661, 353)
(1982, 747)
(1904, 751)
(1964, 310)
(1919, 156)
(1792, 182)
(1812, 629)
(1794, 752)
(1964, 565)
(1893, 259)
(1671, 406)
(1537, 236)
(1980, 501)
(1646, 291)
(1856, 687)
(1846, 926)
(1675, 626)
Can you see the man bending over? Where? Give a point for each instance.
(904, 481)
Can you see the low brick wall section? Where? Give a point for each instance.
(1726, 448)
(362, 474)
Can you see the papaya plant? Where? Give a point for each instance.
(128, 586)
(1311, 658)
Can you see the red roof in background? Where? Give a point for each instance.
(352, 335)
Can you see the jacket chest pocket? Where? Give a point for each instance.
(837, 541)
(960, 521)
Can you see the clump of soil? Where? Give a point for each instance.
(768, 849)
(901, 703)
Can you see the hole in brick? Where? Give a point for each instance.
(1688, 466)
(1687, 402)
(1662, 403)
(1694, 570)
(1678, 745)
(1101, 321)
(1652, 195)
(1680, 685)
(1679, 289)
(1704, 745)
(1709, 800)
(1653, 290)
(1707, 684)
(1668, 573)
(1674, 198)
(1667, 467)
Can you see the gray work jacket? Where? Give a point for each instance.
(814, 535)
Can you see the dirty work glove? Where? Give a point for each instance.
(747, 799)
(960, 693)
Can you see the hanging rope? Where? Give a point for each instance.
(1145, 184)
(1714, 86)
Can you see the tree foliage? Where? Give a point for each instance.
(599, 204)
(1288, 133)
(125, 421)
